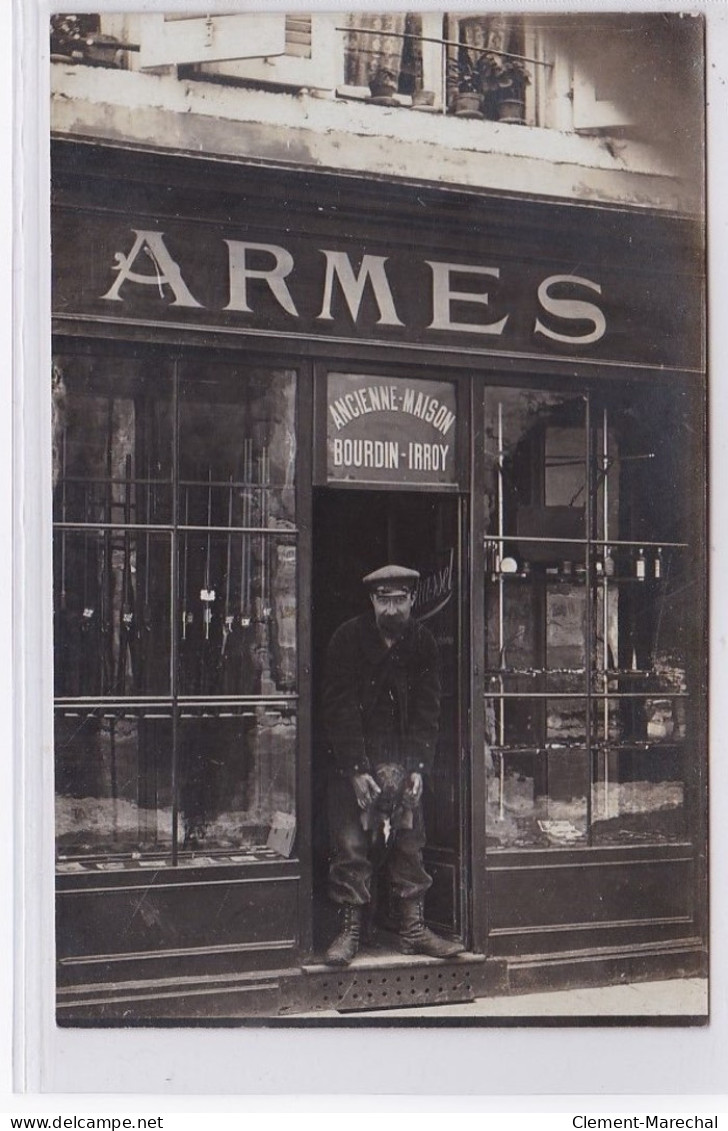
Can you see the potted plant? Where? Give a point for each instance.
(383, 85)
(467, 79)
(76, 39)
(511, 80)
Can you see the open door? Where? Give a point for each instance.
(356, 531)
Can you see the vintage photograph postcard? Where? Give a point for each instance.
(378, 419)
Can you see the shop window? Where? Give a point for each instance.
(589, 638)
(175, 608)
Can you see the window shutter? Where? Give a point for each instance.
(312, 56)
(595, 105)
(169, 40)
(298, 36)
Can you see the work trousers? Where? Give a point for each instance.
(354, 851)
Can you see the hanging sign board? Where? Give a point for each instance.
(390, 430)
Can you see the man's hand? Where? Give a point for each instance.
(413, 793)
(366, 790)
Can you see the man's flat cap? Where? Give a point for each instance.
(392, 577)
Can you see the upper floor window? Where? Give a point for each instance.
(503, 67)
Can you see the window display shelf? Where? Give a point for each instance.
(627, 746)
(512, 536)
(578, 577)
(160, 708)
(159, 857)
(597, 673)
(495, 673)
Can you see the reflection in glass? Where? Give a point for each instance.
(638, 795)
(113, 783)
(237, 775)
(112, 441)
(237, 447)
(536, 798)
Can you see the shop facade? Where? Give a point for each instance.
(268, 382)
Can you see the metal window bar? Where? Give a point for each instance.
(175, 627)
(448, 43)
(590, 599)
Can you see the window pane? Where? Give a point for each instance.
(111, 613)
(238, 614)
(535, 476)
(238, 610)
(237, 448)
(587, 683)
(112, 441)
(639, 794)
(237, 547)
(650, 464)
(237, 773)
(232, 562)
(537, 607)
(113, 784)
(536, 798)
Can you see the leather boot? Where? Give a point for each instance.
(346, 944)
(416, 938)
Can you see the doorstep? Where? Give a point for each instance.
(381, 978)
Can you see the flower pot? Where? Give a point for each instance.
(423, 101)
(512, 110)
(383, 87)
(423, 98)
(467, 106)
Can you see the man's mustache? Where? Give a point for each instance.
(392, 620)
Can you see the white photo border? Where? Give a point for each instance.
(168, 1062)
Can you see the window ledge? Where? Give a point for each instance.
(313, 130)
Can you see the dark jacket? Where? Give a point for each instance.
(381, 704)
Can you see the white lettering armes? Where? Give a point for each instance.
(166, 271)
(443, 296)
(274, 276)
(338, 266)
(571, 309)
(572, 320)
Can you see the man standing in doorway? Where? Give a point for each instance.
(381, 711)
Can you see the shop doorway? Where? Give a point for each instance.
(354, 532)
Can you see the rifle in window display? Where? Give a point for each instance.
(225, 652)
(119, 752)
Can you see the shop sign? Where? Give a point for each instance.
(390, 430)
(493, 295)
